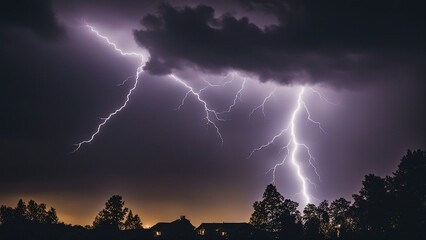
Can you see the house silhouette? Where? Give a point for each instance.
(180, 229)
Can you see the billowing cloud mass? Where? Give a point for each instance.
(340, 43)
(35, 15)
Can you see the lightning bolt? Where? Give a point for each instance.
(293, 146)
(139, 70)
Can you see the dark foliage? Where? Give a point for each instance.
(32, 213)
(132, 222)
(112, 216)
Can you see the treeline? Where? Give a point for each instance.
(388, 208)
(33, 221)
(393, 207)
(25, 214)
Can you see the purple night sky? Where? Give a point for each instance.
(58, 79)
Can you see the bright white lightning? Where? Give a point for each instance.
(293, 145)
(139, 70)
(296, 145)
(112, 44)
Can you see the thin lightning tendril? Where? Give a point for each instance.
(322, 97)
(236, 98)
(125, 80)
(208, 111)
(262, 106)
(222, 84)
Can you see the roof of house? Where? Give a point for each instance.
(180, 224)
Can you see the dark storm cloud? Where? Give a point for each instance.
(35, 15)
(338, 42)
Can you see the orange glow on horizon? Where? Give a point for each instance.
(71, 212)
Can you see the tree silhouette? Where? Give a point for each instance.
(51, 217)
(7, 215)
(277, 215)
(290, 220)
(408, 189)
(112, 216)
(324, 216)
(37, 212)
(316, 221)
(372, 206)
(21, 211)
(311, 220)
(267, 213)
(340, 216)
(132, 222)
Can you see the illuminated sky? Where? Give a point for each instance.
(58, 79)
